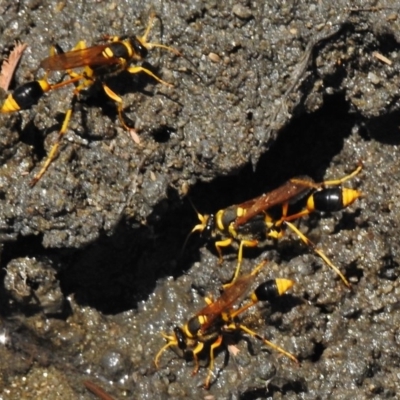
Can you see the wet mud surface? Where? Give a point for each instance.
(92, 269)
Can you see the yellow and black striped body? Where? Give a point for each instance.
(230, 225)
(25, 96)
(264, 225)
(94, 64)
(205, 332)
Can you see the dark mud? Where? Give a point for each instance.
(90, 257)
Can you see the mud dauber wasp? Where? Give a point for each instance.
(97, 63)
(268, 215)
(208, 329)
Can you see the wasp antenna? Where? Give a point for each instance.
(193, 206)
(149, 46)
(184, 244)
(149, 26)
(203, 222)
(202, 218)
(199, 227)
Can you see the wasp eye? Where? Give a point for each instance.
(180, 338)
(139, 48)
(209, 227)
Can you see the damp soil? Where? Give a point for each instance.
(92, 267)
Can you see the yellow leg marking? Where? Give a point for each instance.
(286, 283)
(334, 182)
(311, 184)
(148, 28)
(143, 39)
(136, 70)
(54, 150)
(80, 45)
(111, 94)
(243, 243)
(87, 71)
(214, 346)
(242, 309)
(53, 51)
(298, 215)
(119, 103)
(171, 342)
(222, 243)
(337, 182)
(197, 350)
(74, 78)
(309, 243)
(267, 342)
(109, 38)
(285, 208)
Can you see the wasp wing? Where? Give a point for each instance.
(92, 56)
(231, 295)
(293, 189)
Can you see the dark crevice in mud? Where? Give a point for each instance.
(305, 147)
(116, 272)
(385, 128)
(162, 134)
(319, 349)
(31, 135)
(25, 246)
(277, 384)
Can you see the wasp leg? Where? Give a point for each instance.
(137, 69)
(222, 243)
(309, 243)
(54, 150)
(243, 243)
(171, 341)
(120, 107)
(214, 346)
(337, 182)
(265, 341)
(118, 100)
(324, 184)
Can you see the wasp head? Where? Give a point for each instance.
(206, 226)
(139, 48)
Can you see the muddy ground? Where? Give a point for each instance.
(92, 268)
